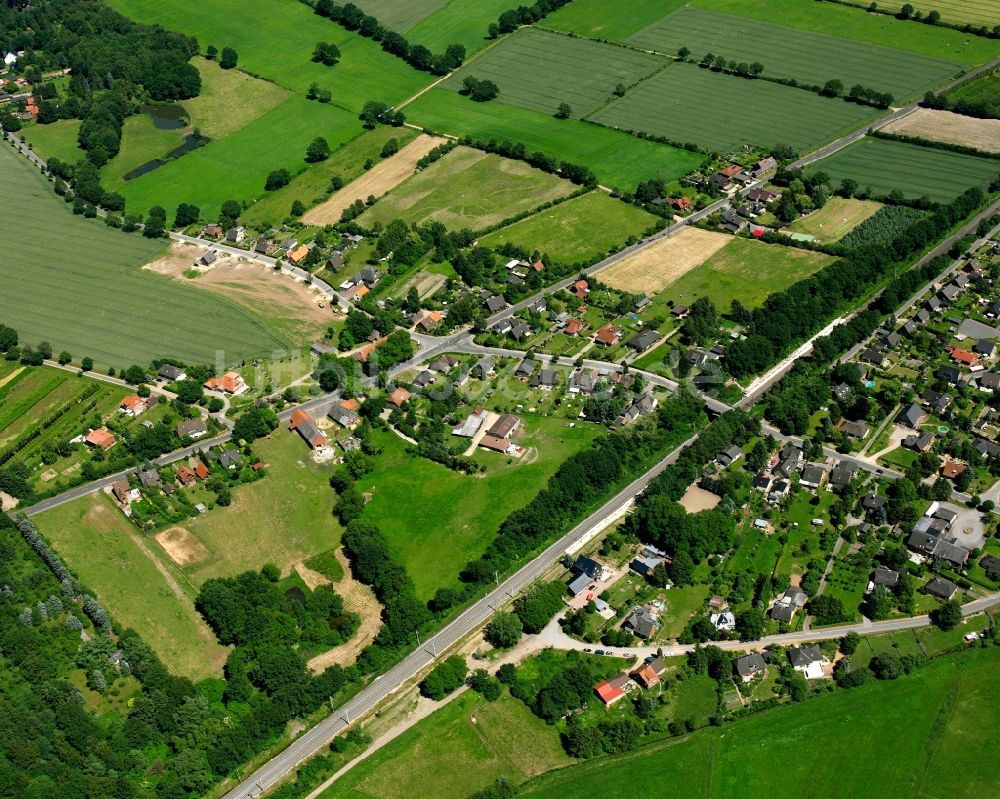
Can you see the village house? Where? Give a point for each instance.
(495, 303)
(303, 424)
(613, 690)
(546, 380)
(430, 320)
(608, 335)
(961, 356)
(641, 622)
(149, 477)
(208, 258)
(201, 471)
(212, 230)
(345, 417)
(858, 430)
(952, 470)
(297, 255)
(483, 369)
(230, 383)
(941, 588)
(649, 673)
(171, 374)
(185, 476)
(731, 221)
(763, 166)
(762, 195)
(807, 660)
(505, 426)
(263, 245)
(784, 609)
(749, 666)
(236, 235)
(133, 406)
(574, 327)
(101, 439)
(913, 416)
(399, 396)
(643, 340)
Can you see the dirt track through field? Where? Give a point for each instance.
(654, 268)
(946, 126)
(382, 177)
(359, 599)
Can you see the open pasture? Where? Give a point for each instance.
(578, 229)
(943, 707)
(400, 15)
(606, 19)
(835, 219)
(744, 270)
(810, 58)
(77, 284)
(946, 126)
(721, 112)
(663, 263)
(237, 166)
(463, 22)
(885, 165)
(55, 140)
(468, 189)
(138, 589)
(618, 159)
(538, 70)
(846, 22)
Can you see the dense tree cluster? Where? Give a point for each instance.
(446, 677)
(514, 18)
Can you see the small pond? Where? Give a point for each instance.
(191, 142)
(166, 116)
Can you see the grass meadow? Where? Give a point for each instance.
(57, 140)
(235, 167)
(538, 70)
(77, 284)
(462, 22)
(438, 519)
(746, 270)
(118, 565)
(722, 112)
(470, 743)
(400, 16)
(835, 219)
(578, 229)
(618, 159)
(311, 185)
(845, 22)
(599, 19)
(468, 189)
(808, 57)
(884, 165)
(918, 733)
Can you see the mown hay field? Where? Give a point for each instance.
(811, 58)
(958, 12)
(946, 126)
(538, 70)
(77, 284)
(661, 264)
(884, 165)
(688, 104)
(835, 219)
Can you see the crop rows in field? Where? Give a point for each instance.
(884, 165)
(400, 15)
(688, 104)
(956, 12)
(810, 58)
(538, 70)
(78, 285)
(882, 228)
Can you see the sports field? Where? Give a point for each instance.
(957, 12)
(56, 140)
(463, 22)
(468, 189)
(654, 268)
(311, 186)
(439, 519)
(846, 22)
(138, 589)
(538, 70)
(279, 47)
(795, 750)
(744, 270)
(235, 167)
(916, 171)
(810, 58)
(470, 743)
(618, 159)
(578, 229)
(721, 112)
(77, 284)
(600, 19)
(835, 219)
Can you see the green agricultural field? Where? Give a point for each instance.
(281, 519)
(464, 746)
(745, 270)
(578, 229)
(57, 140)
(279, 47)
(236, 166)
(853, 23)
(956, 12)
(468, 189)
(538, 70)
(835, 219)
(142, 142)
(813, 746)
(883, 165)
(119, 566)
(984, 89)
(618, 159)
(229, 99)
(77, 284)
(605, 19)
(810, 58)
(310, 186)
(400, 15)
(462, 22)
(459, 514)
(721, 112)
